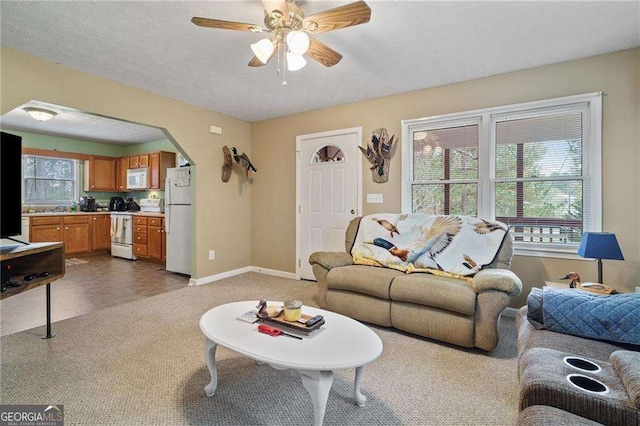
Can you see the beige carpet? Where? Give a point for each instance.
(143, 363)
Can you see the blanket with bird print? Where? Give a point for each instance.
(450, 245)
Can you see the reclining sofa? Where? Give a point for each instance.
(438, 307)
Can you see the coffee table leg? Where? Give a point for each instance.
(360, 398)
(210, 357)
(318, 384)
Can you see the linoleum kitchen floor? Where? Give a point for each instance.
(102, 282)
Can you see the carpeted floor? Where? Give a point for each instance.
(143, 363)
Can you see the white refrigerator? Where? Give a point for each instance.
(178, 219)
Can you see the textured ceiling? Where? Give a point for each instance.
(407, 45)
(75, 124)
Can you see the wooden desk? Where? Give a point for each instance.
(30, 259)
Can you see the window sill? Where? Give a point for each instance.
(568, 254)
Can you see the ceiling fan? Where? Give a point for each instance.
(290, 30)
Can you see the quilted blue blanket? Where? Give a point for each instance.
(615, 317)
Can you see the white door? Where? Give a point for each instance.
(329, 192)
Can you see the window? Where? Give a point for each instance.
(534, 166)
(49, 180)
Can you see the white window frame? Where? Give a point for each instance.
(486, 117)
(76, 182)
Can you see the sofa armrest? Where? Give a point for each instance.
(497, 279)
(329, 260)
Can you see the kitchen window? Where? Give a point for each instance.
(534, 166)
(49, 180)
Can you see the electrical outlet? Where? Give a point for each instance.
(212, 254)
(637, 289)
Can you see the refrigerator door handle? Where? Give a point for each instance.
(167, 219)
(167, 190)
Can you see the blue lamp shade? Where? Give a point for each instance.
(600, 245)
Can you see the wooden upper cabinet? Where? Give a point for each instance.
(100, 174)
(122, 164)
(140, 160)
(159, 162)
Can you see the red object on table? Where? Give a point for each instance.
(262, 328)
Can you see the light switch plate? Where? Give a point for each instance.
(374, 199)
(637, 289)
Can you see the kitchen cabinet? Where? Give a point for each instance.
(100, 173)
(122, 164)
(159, 162)
(101, 232)
(45, 229)
(74, 231)
(140, 244)
(140, 160)
(149, 238)
(156, 239)
(76, 234)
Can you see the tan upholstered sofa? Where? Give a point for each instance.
(442, 308)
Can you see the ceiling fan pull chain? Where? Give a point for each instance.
(284, 63)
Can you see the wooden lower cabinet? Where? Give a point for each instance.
(81, 234)
(76, 234)
(101, 232)
(157, 239)
(149, 238)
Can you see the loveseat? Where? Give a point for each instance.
(444, 308)
(544, 365)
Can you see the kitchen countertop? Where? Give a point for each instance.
(89, 213)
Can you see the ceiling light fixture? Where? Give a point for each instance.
(263, 50)
(298, 42)
(295, 62)
(40, 114)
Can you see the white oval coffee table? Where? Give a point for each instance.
(340, 343)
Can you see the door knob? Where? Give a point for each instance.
(353, 211)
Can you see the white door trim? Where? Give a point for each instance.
(299, 140)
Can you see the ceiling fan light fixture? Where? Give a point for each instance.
(298, 42)
(263, 49)
(295, 62)
(40, 114)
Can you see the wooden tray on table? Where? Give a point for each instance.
(279, 321)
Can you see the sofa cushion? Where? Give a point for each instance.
(438, 292)
(627, 365)
(363, 279)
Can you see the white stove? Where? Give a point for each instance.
(122, 235)
(151, 205)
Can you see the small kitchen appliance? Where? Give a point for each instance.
(151, 205)
(88, 204)
(131, 205)
(117, 204)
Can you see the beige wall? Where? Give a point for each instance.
(617, 75)
(223, 211)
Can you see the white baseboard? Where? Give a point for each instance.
(234, 272)
(220, 276)
(273, 272)
(510, 312)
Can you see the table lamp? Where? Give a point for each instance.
(600, 245)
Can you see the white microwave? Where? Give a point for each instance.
(137, 178)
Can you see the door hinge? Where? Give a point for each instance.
(299, 153)
(299, 263)
(299, 209)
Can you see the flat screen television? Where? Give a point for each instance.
(10, 185)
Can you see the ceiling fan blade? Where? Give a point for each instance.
(255, 62)
(271, 5)
(340, 17)
(226, 25)
(323, 53)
